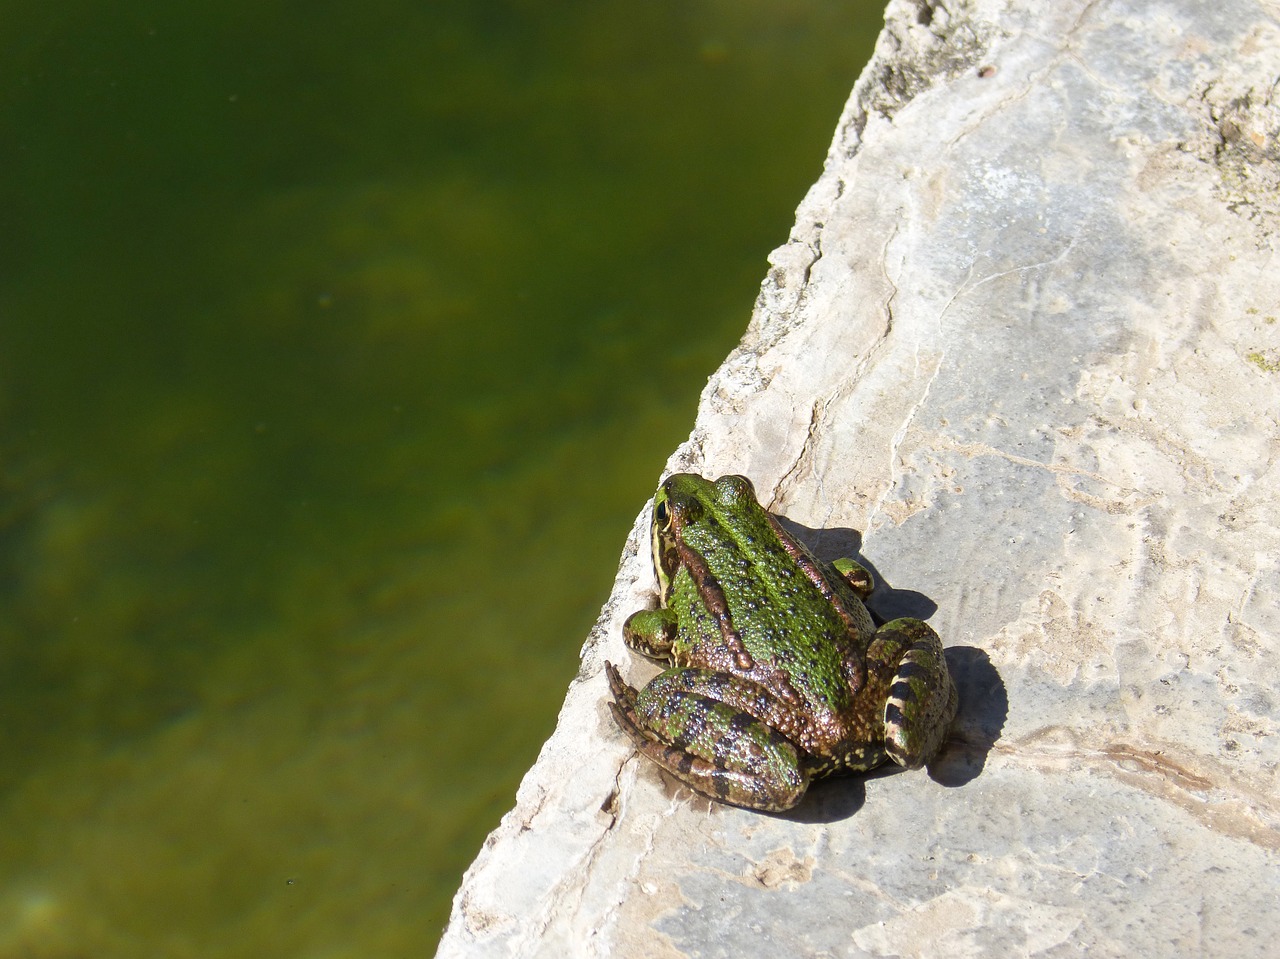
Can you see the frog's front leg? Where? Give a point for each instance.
(690, 722)
(921, 699)
(856, 576)
(651, 632)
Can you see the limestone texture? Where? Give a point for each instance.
(1021, 354)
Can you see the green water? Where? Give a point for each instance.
(339, 346)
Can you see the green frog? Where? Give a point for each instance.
(777, 674)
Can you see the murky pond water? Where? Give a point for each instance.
(339, 346)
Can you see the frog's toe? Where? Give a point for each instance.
(856, 576)
(625, 716)
(623, 706)
(621, 689)
(922, 698)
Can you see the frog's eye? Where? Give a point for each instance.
(661, 515)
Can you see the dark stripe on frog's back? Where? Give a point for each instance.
(766, 546)
(708, 607)
(699, 631)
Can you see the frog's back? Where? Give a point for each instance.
(797, 632)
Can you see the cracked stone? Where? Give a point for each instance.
(1018, 352)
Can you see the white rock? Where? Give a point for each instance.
(1025, 338)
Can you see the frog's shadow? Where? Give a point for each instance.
(984, 701)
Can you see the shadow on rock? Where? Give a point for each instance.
(984, 706)
(829, 800)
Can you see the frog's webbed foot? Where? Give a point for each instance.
(922, 698)
(713, 747)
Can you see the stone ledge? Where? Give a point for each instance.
(1025, 337)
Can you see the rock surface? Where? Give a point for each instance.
(1025, 337)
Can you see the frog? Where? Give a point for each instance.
(776, 672)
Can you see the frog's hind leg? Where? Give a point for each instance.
(714, 747)
(922, 697)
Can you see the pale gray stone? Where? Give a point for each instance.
(1025, 339)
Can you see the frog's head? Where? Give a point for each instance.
(680, 504)
(664, 532)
